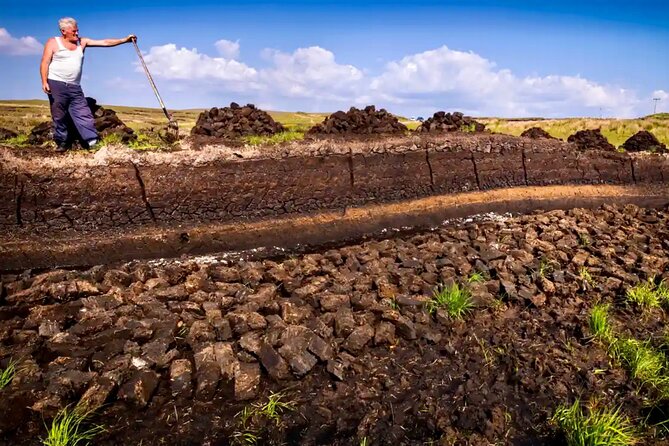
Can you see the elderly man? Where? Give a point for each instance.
(60, 70)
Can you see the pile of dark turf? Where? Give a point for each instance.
(591, 140)
(236, 121)
(644, 141)
(447, 122)
(536, 133)
(367, 121)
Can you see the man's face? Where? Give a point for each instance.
(70, 32)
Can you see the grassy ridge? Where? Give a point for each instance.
(21, 116)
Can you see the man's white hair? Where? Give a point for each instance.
(66, 22)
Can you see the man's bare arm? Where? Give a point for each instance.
(85, 41)
(44, 65)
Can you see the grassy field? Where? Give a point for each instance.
(21, 116)
(615, 130)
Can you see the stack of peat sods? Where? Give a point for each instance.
(236, 121)
(536, 133)
(447, 122)
(591, 140)
(367, 121)
(644, 141)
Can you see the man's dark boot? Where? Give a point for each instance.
(62, 147)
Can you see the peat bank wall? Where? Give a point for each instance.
(82, 210)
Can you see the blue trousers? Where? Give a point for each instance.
(68, 104)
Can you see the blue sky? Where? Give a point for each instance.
(485, 58)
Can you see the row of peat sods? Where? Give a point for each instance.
(593, 139)
(235, 121)
(238, 121)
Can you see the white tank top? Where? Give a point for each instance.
(66, 64)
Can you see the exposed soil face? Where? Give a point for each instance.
(177, 348)
(644, 141)
(235, 121)
(367, 121)
(536, 133)
(106, 123)
(85, 248)
(591, 140)
(80, 197)
(447, 122)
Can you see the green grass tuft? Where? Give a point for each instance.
(146, 142)
(646, 364)
(583, 239)
(245, 438)
(274, 139)
(600, 426)
(644, 294)
(113, 139)
(7, 374)
(471, 128)
(586, 278)
(456, 300)
(18, 141)
(251, 418)
(546, 266)
(274, 407)
(70, 427)
(476, 277)
(662, 292)
(246, 434)
(599, 323)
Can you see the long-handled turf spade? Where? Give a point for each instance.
(172, 133)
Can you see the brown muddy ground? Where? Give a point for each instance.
(175, 349)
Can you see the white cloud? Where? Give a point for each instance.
(448, 78)
(174, 63)
(227, 48)
(441, 70)
(661, 94)
(438, 79)
(22, 46)
(310, 73)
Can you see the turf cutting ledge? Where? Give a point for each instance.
(312, 230)
(84, 210)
